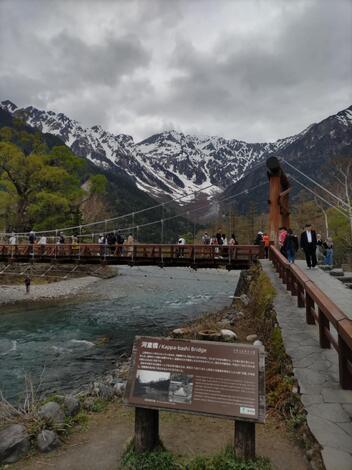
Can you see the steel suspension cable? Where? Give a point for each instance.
(315, 182)
(320, 197)
(246, 173)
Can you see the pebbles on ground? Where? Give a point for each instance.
(54, 290)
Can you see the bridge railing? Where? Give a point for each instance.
(136, 251)
(321, 310)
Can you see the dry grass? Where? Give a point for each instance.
(26, 413)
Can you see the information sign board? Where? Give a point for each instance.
(205, 377)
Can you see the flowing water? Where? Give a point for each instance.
(63, 345)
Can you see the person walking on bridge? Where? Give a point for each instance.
(42, 242)
(233, 240)
(206, 239)
(329, 250)
(308, 244)
(291, 246)
(129, 243)
(266, 241)
(282, 236)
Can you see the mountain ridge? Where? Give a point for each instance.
(170, 163)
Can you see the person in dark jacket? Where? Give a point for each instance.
(111, 239)
(291, 245)
(119, 240)
(27, 283)
(259, 239)
(219, 236)
(31, 237)
(309, 245)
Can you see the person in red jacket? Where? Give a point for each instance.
(282, 237)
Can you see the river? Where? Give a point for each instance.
(65, 344)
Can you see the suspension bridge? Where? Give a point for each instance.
(314, 309)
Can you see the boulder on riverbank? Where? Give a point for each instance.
(52, 413)
(228, 335)
(14, 443)
(179, 332)
(72, 405)
(47, 440)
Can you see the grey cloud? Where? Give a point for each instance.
(146, 68)
(102, 63)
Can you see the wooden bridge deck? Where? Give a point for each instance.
(196, 256)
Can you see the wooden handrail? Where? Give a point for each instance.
(131, 254)
(320, 308)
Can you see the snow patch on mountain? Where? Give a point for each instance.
(168, 164)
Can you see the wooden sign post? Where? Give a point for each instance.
(146, 429)
(201, 377)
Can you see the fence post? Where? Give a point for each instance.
(146, 429)
(245, 440)
(323, 324)
(300, 296)
(289, 280)
(309, 305)
(345, 355)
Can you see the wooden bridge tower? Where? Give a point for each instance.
(279, 188)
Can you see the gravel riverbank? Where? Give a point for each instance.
(55, 290)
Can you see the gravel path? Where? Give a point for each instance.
(54, 290)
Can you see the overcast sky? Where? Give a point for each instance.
(246, 69)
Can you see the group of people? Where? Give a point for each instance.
(315, 249)
(219, 239)
(115, 242)
(40, 240)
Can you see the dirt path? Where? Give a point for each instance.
(100, 447)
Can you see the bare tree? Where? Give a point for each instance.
(343, 178)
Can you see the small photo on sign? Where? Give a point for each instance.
(181, 388)
(152, 385)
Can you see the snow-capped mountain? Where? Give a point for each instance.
(166, 164)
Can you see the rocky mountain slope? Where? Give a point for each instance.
(174, 164)
(312, 152)
(122, 196)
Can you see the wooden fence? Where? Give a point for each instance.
(321, 310)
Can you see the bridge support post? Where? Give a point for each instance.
(279, 188)
(300, 296)
(245, 440)
(274, 208)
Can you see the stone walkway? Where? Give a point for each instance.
(329, 408)
(333, 288)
